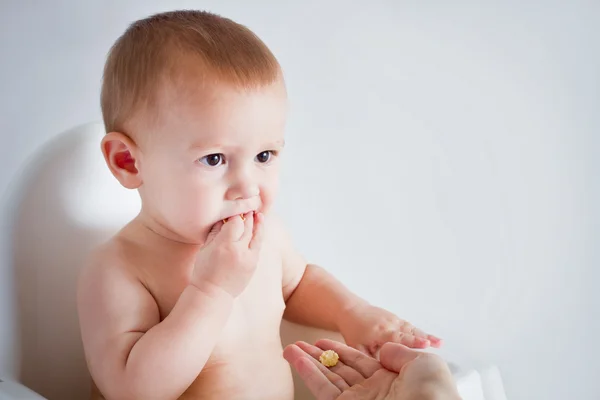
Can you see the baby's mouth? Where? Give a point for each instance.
(243, 216)
(216, 227)
(227, 219)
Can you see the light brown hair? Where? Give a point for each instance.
(156, 51)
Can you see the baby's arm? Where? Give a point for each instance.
(130, 353)
(313, 296)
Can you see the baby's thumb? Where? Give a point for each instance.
(394, 356)
(214, 231)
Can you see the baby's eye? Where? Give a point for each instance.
(264, 157)
(212, 160)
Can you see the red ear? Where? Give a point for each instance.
(120, 155)
(124, 160)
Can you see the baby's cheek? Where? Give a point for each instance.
(197, 212)
(267, 197)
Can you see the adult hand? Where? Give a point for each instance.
(402, 373)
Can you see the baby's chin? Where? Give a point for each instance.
(195, 235)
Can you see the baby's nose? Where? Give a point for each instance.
(242, 190)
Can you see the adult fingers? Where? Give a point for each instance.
(319, 381)
(348, 374)
(351, 357)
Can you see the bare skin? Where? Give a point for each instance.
(250, 335)
(401, 374)
(179, 305)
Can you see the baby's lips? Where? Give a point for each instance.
(241, 216)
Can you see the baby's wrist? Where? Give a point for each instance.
(211, 290)
(350, 313)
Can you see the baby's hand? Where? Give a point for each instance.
(367, 328)
(229, 258)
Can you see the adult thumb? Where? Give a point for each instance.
(394, 356)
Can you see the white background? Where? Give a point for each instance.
(441, 159)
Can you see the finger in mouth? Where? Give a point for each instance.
(241, 216)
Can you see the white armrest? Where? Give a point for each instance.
(485, 384)
(469, 385)
(11, 390)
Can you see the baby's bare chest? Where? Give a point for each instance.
(257, 312)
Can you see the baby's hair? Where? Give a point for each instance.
(155, 51)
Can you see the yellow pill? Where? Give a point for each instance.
(329, 358)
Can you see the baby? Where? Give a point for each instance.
(189, 296)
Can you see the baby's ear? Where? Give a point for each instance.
(120, 154)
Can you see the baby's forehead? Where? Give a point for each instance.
(207, 90)
(200, 95)
(221, 113)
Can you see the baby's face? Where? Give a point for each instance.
(213, 156)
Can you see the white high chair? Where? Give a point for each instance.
(65, 204)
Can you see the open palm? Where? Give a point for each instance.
(355, 377)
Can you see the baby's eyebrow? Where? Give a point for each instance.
(195, 146)
(278, 143)
(204, 144)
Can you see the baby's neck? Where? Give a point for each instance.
(151, 234)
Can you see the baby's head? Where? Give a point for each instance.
(194, 107)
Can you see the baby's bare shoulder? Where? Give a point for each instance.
(111, 296)
(111, 256)
(112, 264)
